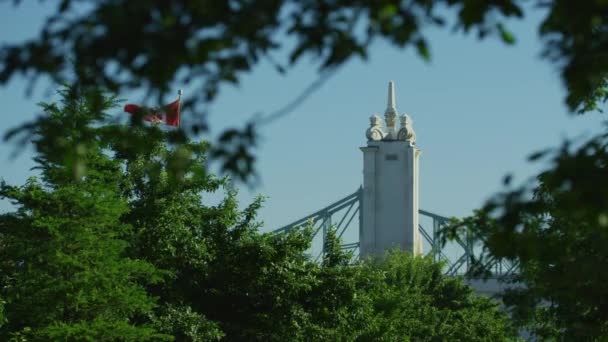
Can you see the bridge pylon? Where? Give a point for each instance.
(384, 213)
(390, 184)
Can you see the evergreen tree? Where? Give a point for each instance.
(64, 273)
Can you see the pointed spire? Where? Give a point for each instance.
(390, 116)
(391, 106)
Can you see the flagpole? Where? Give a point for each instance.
(179, 109)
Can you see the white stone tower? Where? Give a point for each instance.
(390, 184)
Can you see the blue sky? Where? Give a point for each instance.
(479, 109)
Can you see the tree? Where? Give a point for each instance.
(412, 298)
(217, 42)
(556, 230)
(64, 273)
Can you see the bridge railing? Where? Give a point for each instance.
(344, 216)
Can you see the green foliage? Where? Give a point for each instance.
(219, 41)
(64, 274)
(2, 314)
(412, 298)
(595, 100)
(184, 324)
(212, 43)
(556, 229)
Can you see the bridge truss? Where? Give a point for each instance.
(345, 214)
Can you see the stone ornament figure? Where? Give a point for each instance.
(375, 132)
(406, 132)
(391, 125)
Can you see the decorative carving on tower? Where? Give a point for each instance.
(375, 132)
(406, 132)
(390, 115)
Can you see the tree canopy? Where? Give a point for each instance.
(555, 229)
(64, 272)
(211, 43)
(121, 245)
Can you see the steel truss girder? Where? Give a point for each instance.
(344, 211)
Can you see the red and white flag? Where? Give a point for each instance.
(169, 115)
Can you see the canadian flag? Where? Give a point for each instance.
(169, 115)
